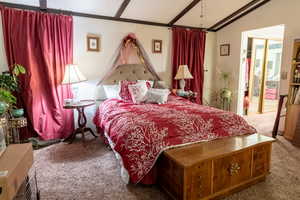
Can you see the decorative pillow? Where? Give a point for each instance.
(112, 91)
(159, 96)
(138, 91)
(124, 90)
(149, 83)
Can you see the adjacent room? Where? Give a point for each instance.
(143, 100)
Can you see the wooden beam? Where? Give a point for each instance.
(239, 11)
(250, 7)
(122, 8)
(184, 11)
(43, 4)
(79, 14)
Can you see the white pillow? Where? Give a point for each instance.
(159, 96)
(138, 91)
(151, 82)
(112, 91)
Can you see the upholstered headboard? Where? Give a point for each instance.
(130, 72)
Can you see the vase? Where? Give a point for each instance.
(17, 112)
(3, 108)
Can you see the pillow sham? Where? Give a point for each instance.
(112, 91)
(138, 91)
(159, 96)
(149, 83)
(124, 91)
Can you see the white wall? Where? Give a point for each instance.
(94, 65)
(275, 12)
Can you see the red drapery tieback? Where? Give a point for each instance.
(43, 44)
(189, 49)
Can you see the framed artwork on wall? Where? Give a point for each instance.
(157, 46)
(225, 50)
(93, 43)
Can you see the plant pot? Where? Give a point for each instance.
(3, 108)
(16, 113)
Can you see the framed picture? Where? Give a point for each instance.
(93, 43)
(225, 50)
(157, 46)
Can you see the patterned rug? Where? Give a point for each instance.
(88, 171)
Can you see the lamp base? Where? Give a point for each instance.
(182, 84)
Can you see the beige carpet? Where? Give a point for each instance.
(89, 171)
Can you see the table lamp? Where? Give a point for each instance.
(73, 76)
(182, 74)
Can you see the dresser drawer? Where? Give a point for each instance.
(261, 160)
(232, 170)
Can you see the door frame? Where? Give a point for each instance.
(260, 109)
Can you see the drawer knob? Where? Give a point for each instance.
(234, 169)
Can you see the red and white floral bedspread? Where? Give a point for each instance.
(141, 132)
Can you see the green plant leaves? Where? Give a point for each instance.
(7, 97)
(18, 69)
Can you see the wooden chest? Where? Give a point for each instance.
(214, 169)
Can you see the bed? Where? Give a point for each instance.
(139, 133)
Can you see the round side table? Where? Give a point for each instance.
(81, 119)
(15, 124)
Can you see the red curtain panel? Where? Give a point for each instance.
(43, 44)
(189, 49)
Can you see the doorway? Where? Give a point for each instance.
(261, 69)
(264, 76)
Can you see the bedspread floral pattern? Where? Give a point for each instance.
(141, 132)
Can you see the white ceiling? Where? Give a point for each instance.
(214, 11)
(162, 11)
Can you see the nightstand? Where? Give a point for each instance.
(81, 119)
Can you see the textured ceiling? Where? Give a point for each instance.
(162, 11)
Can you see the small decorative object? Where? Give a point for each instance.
(225, 50)
(183, 73)
(3, 108)
(73, 76)
(17, 112)
(157, 46)
(93, 43)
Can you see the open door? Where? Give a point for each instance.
(264, 75)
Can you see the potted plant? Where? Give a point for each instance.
(8, 85)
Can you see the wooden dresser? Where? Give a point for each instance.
(214, 169)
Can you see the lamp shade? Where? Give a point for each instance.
(183, 73)
(73, 75)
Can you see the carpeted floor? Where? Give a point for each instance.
(88, 171)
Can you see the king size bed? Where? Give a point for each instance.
(139, 133)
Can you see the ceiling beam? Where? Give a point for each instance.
(43, 4)
(79, 14)
(122, 8)
(184, 11)
(248, 8)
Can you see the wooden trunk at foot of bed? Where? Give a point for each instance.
(215, 169)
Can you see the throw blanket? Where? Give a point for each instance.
(141, 132)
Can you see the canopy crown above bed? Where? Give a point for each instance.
(131, 59)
